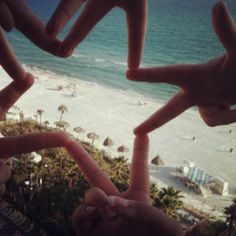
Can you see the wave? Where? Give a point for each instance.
(99, 60)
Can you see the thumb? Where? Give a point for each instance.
(224, 27)
(146, 216)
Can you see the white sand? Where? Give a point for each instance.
(114, 113)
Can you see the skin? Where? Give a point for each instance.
(28, 24)
(92, 13)
(210, 85)
(109, 212)
(10, 146)
(17, 14)
(14, 145)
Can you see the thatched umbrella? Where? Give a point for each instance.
(108, 142)
(122, 149)
(92, 136)
(62, 124)
(79, 130)
(157, 161)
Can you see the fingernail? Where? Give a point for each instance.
(137, 132)
(128, 74)
(90, 208)
(218, 9)
(118, 202)
(65, 51)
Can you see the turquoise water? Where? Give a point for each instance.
(179, 31)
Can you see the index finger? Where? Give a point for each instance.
(9, 61)
(62, 15)
(139, 176)
(6, 19)
(28, 24)
(136, 15)
(93, 11)
(174, 107)
(90, 168)
(10, 146)
(182, 75)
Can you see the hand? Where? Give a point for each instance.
(22, 81)
(125, 213)
(93, 12)
(211, 85)
(10, 146)
(15, 13)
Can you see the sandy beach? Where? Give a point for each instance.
(114, 113)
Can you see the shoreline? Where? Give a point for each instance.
(115, 112)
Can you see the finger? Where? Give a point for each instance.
(84, 218)
(179, 75)
(224, 27)
(94, 10)
(144, 216)
(136, 20)
(32, 27)
(9, 61)
(174, 107)
(10, 146)
(6, 19)
(139, 176)
(62, 15)
(91, 170)
(214, 116)
(10, 94)
(5, 173)
(95, 197)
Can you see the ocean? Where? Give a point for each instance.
(178, 31)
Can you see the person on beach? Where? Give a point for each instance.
(106, 211)
(210, 85)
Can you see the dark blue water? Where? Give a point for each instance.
(179, 31)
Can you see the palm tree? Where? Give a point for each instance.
(168, 200)
(230, 213)
(40, 112)
(62, 108)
